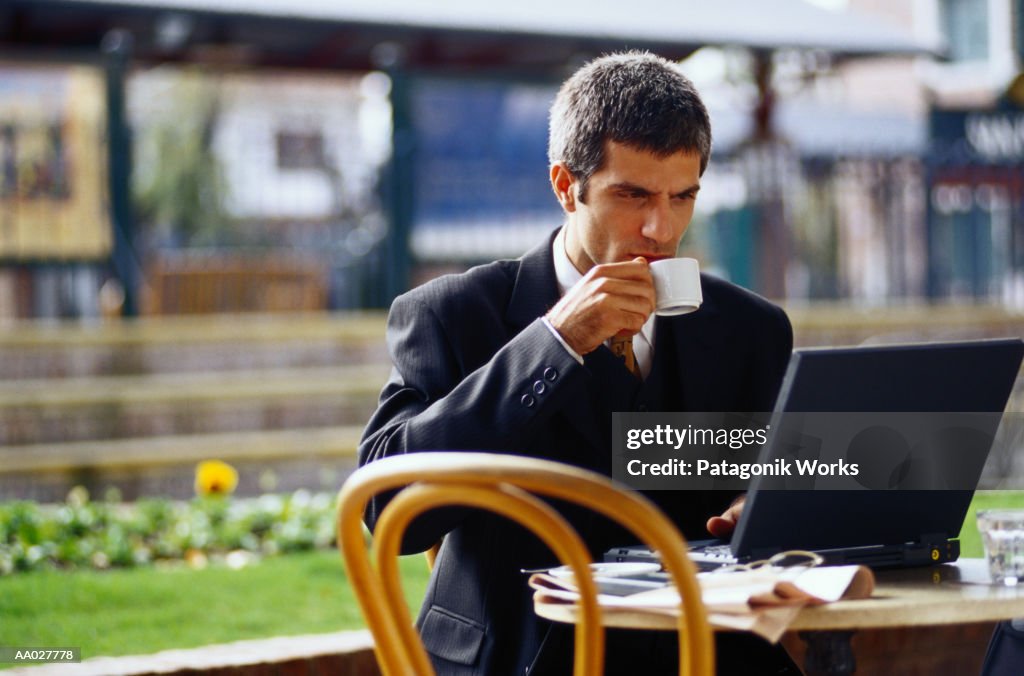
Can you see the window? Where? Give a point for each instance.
(965, 27)
(300, 150)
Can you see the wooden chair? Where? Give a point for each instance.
(431, 555)
(509, 486)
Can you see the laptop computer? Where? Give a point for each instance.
(877, 528)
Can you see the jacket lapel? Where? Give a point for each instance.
(536, 287)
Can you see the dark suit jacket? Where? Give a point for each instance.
(476, 369)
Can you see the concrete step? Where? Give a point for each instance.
(37, 349)
(316, 458)
(346, 653)
(834, 324)
(111, 407)
(340, 441)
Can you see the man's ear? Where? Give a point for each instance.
(564, 185)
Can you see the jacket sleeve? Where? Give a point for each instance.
(430, 404)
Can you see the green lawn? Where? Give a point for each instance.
(122, 612)
(144, 610)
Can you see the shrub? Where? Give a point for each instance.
(82, 533)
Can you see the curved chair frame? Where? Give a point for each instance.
(506, 485)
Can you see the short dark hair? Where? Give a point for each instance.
(635, 98)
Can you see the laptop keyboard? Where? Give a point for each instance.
(716, 552)
(705, 556)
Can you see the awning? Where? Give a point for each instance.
(528, 34)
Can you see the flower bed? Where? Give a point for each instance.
(82, 533)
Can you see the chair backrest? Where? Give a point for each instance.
(431, 554)
(507, 485)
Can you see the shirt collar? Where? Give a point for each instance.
(565, 271)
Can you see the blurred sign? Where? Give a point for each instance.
(482, 188)
(975, 183)
(994, 135)
(52, 164)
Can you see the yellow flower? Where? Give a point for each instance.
(214, 477)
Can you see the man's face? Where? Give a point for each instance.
(637, 205)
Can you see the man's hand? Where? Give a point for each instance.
(723, 526)
(611, 298)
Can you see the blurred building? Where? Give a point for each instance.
(971, 106)
(277, 147)
(294, 158)
(283, 164)
(976, 154)
(54, 229)
(899, 177)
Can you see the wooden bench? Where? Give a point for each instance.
(234, 283)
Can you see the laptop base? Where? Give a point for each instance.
(908, 555)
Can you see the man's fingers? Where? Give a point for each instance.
(720, 527)
(609, 299)
(723, 526)
(625, 294)
(637, 268)
(631, 322)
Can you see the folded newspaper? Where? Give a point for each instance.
(764, 601)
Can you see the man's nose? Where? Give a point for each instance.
(658, 222)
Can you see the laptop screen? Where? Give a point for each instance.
(975, 376)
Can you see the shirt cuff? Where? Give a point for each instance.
(561, 340)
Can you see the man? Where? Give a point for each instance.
(513, 357)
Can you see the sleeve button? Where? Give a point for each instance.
(550, 374)
(539, 387)
(527, 400)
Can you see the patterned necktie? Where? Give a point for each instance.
(622, 347)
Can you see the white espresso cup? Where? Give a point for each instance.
(676, 286)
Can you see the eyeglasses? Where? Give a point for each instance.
(800, 559)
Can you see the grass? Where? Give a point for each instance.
(145, 610)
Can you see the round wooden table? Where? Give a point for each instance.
(957, 593)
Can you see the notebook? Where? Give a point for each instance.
(877, 528)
